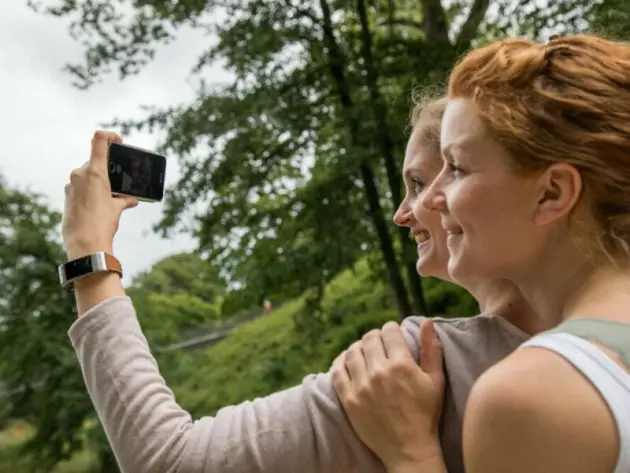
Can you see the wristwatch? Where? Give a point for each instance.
(80, 267)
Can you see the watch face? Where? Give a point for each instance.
(78, 267)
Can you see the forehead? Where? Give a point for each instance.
(419, 156)
(460, 124)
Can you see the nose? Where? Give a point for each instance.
(403, 215)
(434, 198)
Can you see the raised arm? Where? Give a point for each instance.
(301, 429)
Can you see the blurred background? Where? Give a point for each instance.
(284, 123)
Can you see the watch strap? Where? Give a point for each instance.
(94, 263)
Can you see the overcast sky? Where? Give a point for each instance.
(47, 124)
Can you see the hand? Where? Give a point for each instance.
(393, 404)
(91, 215)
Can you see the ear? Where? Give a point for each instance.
(559, 192)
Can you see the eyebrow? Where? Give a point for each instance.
(445, 152)
(461, 144)
(407, 172)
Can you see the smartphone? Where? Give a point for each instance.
(136, 172)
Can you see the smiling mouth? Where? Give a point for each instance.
(421, 237)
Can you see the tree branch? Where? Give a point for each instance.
(469, 29)
(400, 22)
(434, 21)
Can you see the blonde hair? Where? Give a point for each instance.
(564, 101)
(426, 118)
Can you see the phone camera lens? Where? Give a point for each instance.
(112, 167)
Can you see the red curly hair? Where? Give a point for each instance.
(564, 101)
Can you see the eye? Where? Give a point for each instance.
(418, 185)
(454, 169)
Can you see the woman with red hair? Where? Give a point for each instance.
(534, 189)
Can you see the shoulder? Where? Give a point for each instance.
(479, 339)
(447, 328)
(534, 412)
(460, 324)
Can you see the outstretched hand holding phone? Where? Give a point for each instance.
(90, 220)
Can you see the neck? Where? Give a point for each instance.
(586, 290)
(503, 298)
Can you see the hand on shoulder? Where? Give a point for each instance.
(393, 404)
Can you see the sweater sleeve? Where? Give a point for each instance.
(303, 428)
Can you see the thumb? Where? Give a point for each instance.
(125, 202)
(431, 350)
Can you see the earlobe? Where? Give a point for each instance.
(560, 190)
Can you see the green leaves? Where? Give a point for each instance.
(180, 292)
(270, 163)
(38, 369)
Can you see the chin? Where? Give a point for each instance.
(425, 267)
(462, 270)
(431, 268)
(456, 270)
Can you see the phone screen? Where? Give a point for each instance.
(136, 172)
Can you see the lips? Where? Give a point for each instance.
(451, 228)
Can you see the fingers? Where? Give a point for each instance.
(125, 202)
(355, 364)
(394, 342)
(431, 353)
(100, 148)
(340, 378)
(374, 351)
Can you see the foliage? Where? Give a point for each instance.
(270, 353)
(40, 377)
(37, 362)
(293, 167)
(179, 292)
(611, 18)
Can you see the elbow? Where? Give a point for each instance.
(182, 452)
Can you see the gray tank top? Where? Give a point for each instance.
(571, 340)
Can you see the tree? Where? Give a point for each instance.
(296, 156)
(182, 273)
(38, 368)
(179, 292)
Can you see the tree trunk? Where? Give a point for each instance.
(387, 248)
(470, 27)
(434, 22)
(387, 148)
(367, 176)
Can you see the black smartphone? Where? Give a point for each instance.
(136, 172)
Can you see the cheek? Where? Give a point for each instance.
(463, 199)
(430, 219)
(493, 209)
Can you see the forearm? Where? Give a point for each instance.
(96, 288)
(302, 429)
